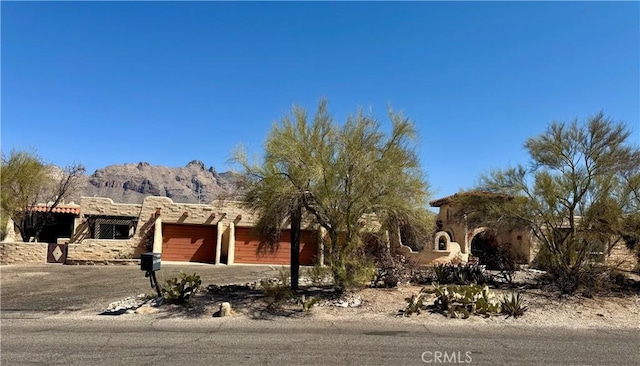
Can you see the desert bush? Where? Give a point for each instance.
(353, 272)
(277, 290)
(388, 268)
(318, 274)
(506, 260)
(307, 303)
(463, 300)
(423, 277)
(589, 279)
(180, 290)
(513, 305)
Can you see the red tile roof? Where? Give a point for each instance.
(65, 209)
(443, 201)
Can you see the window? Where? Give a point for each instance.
(106, 227)
(113, 231)
(442, 243)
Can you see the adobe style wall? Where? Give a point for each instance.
(106, 206)
(23, 253)
(102, 249)
(151, 215)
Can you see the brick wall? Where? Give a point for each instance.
(23, 253)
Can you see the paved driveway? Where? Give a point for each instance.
(56, 288)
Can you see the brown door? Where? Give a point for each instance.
(189, 243)
(247, 245)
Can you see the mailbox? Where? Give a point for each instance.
(150, 262)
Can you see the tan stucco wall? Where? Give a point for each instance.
(428, 256)
(23, 253)
(456, 226)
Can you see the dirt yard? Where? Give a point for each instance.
(621, 311)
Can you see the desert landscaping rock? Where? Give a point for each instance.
(146, 310)
(122, 306)
(348, 301)
(225, 309)
(132, 305)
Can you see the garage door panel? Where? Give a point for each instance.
(247, 244)
(189, 243)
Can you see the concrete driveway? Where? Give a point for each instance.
(55, 288)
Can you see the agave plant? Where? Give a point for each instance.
(513, 305)
(442, 272)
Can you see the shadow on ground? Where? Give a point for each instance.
(251, 301)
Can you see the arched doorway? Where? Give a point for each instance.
(484, 246)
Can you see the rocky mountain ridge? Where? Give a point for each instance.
(131, 183)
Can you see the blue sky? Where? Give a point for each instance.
(166, 82)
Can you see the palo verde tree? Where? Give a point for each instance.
(578, 195)
(337, 177)
(27, 181)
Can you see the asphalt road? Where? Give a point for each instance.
(55, 288)
(230, 341)
(49, 316)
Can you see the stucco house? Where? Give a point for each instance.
(458, 241)
(221, 232)
(218, 233)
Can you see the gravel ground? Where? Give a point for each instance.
(545, 310)
(89, 290)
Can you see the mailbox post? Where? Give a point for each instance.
(150, 262)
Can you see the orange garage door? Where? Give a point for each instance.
(247, 248)
(189, 243)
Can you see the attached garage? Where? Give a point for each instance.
(246, 248)
(189, 243)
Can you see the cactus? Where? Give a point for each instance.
(414, 304)
(181, 290)
(462, 301)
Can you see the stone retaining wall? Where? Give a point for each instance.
(102, 249)
(23, 253)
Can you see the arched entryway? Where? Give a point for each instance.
(484, 246)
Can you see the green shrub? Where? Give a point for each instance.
(353, 272)
(277, 290)
(464, 300)
(513, 305)
(307, 303)
(318, 274)
(181, 290)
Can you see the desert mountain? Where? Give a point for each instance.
(131, 183)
